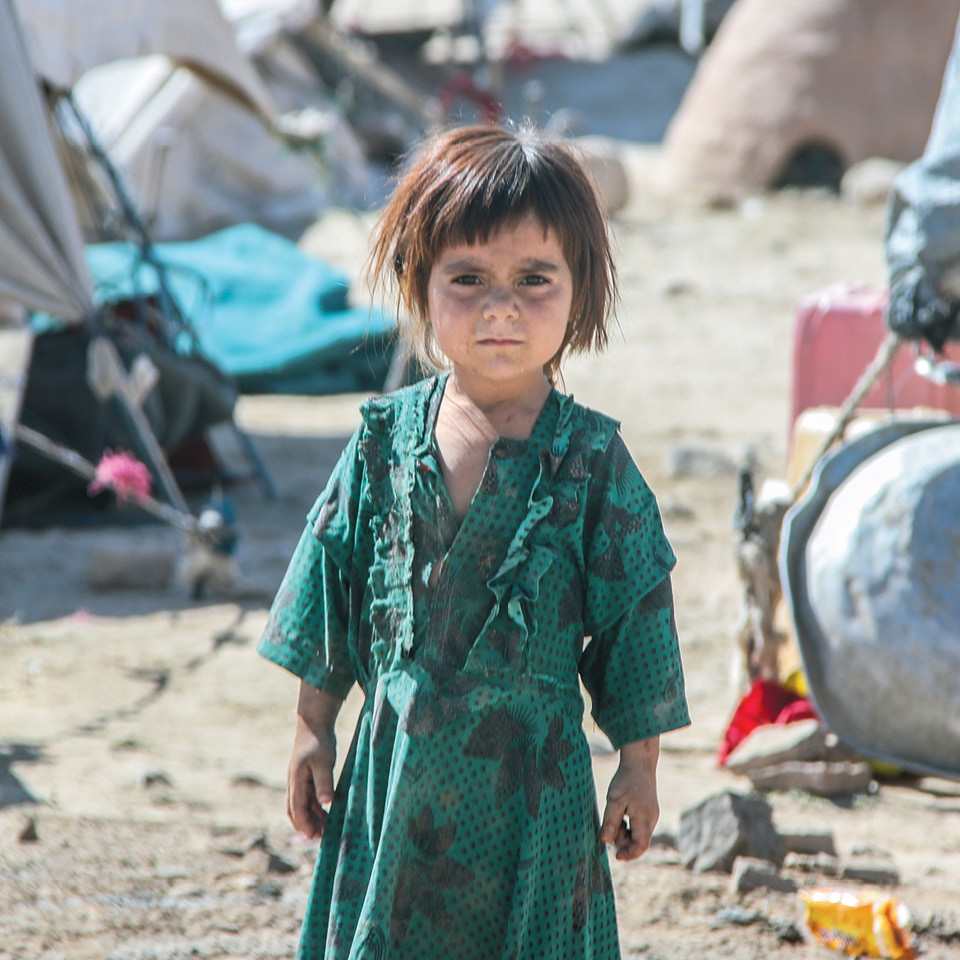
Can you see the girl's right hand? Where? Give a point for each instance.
(310, 774)
(310, 779)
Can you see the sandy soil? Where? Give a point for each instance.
(145, 743)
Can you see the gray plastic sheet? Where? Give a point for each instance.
(870, 563)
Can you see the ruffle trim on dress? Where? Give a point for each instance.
(390, 461)
(557, 495)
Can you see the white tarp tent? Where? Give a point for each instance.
(66, 38)
(179, 108)
(42, 268)
(41, 249)
(193, 159)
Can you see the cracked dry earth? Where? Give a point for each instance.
(143, 745)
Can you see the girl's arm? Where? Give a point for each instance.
(310, 774)
(632, 808)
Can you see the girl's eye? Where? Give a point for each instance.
(535, 280)
(467, 279)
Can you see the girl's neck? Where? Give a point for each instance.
(498, 411)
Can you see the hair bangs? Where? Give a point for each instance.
(487, 197)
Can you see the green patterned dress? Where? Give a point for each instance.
(465, 824)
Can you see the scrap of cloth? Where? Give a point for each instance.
(464, 824)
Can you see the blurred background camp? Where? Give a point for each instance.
(186, 192)
(160, 191)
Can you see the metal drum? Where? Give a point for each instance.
(870, 565)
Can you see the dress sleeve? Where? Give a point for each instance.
(631, 667)
(633, 673)
(307, 631)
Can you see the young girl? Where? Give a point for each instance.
(478, 526)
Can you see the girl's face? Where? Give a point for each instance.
(499, 310)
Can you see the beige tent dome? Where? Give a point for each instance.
(826, 82)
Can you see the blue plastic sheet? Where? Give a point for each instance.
(273, 318)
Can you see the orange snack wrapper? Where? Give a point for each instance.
(868, 925)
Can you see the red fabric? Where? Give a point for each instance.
(800, 709)
(765, 702)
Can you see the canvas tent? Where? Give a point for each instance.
(66, 38)
(182, 112)
(42, 266)
(41, 251)
(41, 247)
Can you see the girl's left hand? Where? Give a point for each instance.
(632, 809)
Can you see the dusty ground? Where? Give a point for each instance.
(146, 743)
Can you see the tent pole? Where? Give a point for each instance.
(108, 378)
(168, 303)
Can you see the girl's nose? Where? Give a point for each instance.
(500, 303)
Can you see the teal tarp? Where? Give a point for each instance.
(266, 313)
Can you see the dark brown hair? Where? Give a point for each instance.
(465, 184)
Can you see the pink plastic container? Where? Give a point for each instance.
(838, 332)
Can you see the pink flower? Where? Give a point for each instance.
(124, 474)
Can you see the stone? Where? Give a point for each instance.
(787, 932)
(677, 510)
(800, 741)
(151, 779)
(241, 847)
(698, 462)
(818, 777)
(871, 851)
(130, 568)
(28, 832)
(773, 743)
(823, 864)
(809, 842)
(869, 182)
(664, 839)
(938, 787)
(943, 926)
(267, 889)
(602, 158)
(749, 873)
(878, 872)
(257, 852)
(251, 780)
(265, 860)
(736, 915)
(724, 826)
